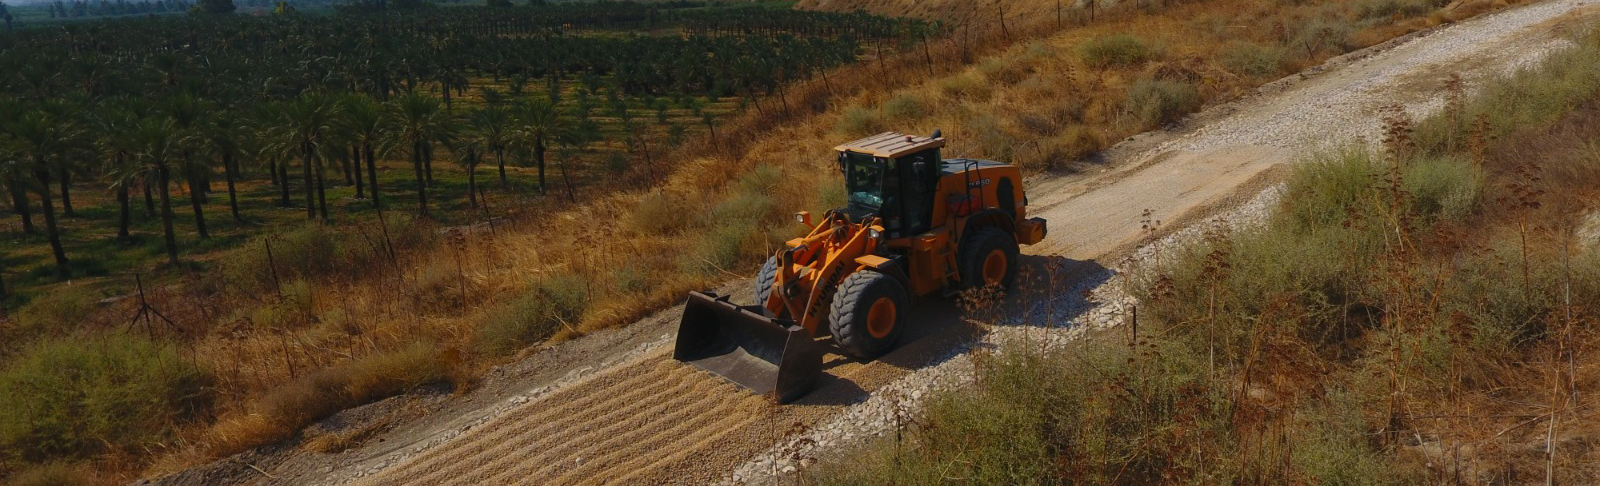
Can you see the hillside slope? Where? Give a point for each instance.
(638, 417)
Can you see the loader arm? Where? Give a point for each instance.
(809, 273)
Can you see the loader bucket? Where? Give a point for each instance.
(772, 357)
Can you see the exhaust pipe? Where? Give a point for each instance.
(772, 357)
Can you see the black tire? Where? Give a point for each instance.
(975, 252)
(852, 310)
(766, 279)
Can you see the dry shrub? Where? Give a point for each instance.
(1074, 143)
(971, 87)
(281, 413)
(553, 304)
(1160, 101)
(1322, 35)
(54, 474)
(1251, 59)
(661, 213)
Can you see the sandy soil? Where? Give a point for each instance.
(613, 408)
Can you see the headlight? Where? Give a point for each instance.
(875, 234)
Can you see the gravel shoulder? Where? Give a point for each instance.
(613, 408)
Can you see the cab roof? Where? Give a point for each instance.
(891, 145)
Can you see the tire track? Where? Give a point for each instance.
(696, 406)
(473, 454)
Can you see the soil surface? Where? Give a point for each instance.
(614, 408)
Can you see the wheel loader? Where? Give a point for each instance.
(915, 225)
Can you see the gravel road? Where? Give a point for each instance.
(589, 415)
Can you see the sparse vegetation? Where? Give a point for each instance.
(1418, 315)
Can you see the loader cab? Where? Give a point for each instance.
(894, 177)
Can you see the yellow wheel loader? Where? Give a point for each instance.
(915, 225)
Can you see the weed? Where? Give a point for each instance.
(552, 305)
(968, 87)
(56, 312)
(859, 121)
(1251, 59)
(1118, 50)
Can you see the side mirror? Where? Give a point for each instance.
(804, 217)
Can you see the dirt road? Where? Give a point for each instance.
(643, 419)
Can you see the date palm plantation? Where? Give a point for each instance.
(125, 137)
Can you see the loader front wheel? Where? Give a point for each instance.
(868, 313)
(766, 280)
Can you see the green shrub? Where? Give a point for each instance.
(1096, 414)
(1117, 50)
(535, 315)
(1382, 9)
(721, 248)
(1256, 60)
(1330, 447)
(1160, 101)
(1443, 187)
(965, 86)
(905, 107)
(1323, 190)
(859, 121)
(56, 311)
(75, 397)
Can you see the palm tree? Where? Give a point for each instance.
(494, 126)
(308, 124)
(221, 133)
(574, 137)
(118, 146)
(39, 136)
(185, 112)
(159, 141)
(14, 174)
(537, 122)
(415, 121)
(362, 122)
(468, 150)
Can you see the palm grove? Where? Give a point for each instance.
(170, 112)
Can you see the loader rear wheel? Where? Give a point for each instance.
(868, 313)
(989, 258)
